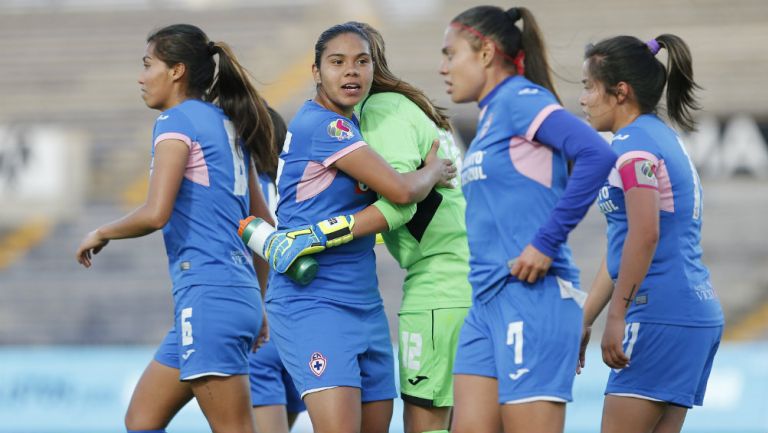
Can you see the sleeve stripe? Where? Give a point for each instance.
(539, 119)
(173, 136)
(636, 154)
(343, 152)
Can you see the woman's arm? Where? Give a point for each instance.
(593, 160)
(599, 295)
(258, 207)
(642, 206)
(366, 166)
(169, 166)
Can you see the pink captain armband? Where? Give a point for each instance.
(638, 172)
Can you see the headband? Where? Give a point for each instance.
(517, 60)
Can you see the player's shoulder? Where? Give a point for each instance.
(635, 137)
(392, 106)
(523, 90)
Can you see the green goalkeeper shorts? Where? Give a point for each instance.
(428, 341)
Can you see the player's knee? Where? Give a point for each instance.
(136, 422)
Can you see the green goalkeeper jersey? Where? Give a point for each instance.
(428, 239)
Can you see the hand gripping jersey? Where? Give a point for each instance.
(511, 184)
(427, 239)
(311, 189)
(676, 289)
(201, 236)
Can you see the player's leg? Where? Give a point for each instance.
(630, 414)
(475, 388)
(376, 416)
(672, 420)
(377, 372)
(158, 396)
(269, 383)
(320, 342)
(219, 326)
(476, 405)
(271, 419)
(335, 410)
(426, 378)
(225, 402)
(539, 416)
(536, 330)
(668, 372)
(418, 419)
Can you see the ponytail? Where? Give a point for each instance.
(233, 91)
(231, 88)
(522, 50)
(630, 60)
(536, 66)
(680, 85)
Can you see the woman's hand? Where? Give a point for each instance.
(90, 245)
(586, 332)
(531, 265)
(263, 336)
(613, 336)
(444, 167)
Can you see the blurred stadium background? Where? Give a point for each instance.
(74, 152)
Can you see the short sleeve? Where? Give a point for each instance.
(334, 139)
(634, 143)
(529, 108)
(173, 125)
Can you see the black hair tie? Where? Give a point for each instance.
(513, 14)
(211, 48)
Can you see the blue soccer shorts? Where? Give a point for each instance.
(526, 337)
(213, 332)
(325, 344)
(270, 382)
(668, 363)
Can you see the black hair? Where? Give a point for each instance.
(230, 88)
(500, 26)
(329, 34)
(630, 60)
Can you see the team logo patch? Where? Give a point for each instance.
(645, 173)
(340, 129)
(317, 363)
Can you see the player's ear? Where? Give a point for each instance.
(316, 74)
(177, 71)
(623, 91)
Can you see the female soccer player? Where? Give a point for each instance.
(664, 320)
(514, 366)
(333, 335)
(429, 241)
(210, 129)
(276, 403)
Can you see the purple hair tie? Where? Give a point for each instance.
(654, 46)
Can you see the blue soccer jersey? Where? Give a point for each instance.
(512, 183)
(311, 189)
(201, 236)
(677, 289)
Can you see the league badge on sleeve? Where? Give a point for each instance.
(317, 363)
(340, 129)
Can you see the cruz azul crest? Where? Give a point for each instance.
(340, 130)
(317, 363)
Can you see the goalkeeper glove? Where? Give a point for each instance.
(283, 247)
